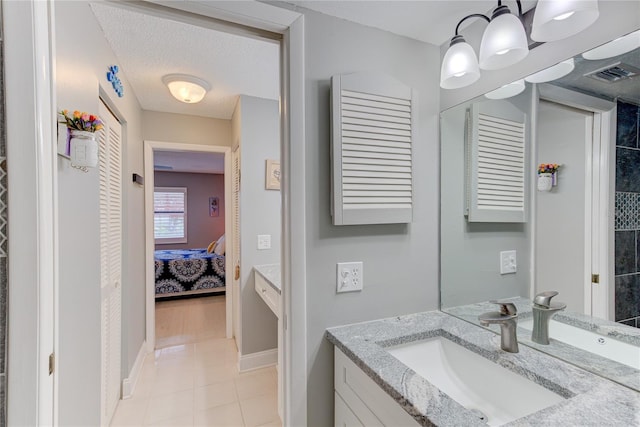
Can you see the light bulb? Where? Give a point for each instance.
(504, 41)
(459, 65)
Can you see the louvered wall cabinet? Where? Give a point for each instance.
(496, 156)
(373, 132)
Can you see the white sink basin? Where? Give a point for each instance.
(612, 349)
(473, 381)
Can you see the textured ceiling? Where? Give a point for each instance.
(149, 47)
(431, 21)
(628, 89)
(171, 161)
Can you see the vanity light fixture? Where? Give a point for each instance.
(507, 91)
(616, 47)
(552, 73)
(186, 88)
(559, 19)
(504, 43)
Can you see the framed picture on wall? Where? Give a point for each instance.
(273, 175)
(214, 206)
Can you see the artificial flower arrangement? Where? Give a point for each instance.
(548, 168)
(81, 121)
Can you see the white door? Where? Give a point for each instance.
(110, 167)
(235, 258)
(564, 237)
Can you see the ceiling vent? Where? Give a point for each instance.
(614, 73)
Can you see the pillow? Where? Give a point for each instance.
(219, 248)
(211, 246)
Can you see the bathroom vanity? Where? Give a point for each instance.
(376, 384)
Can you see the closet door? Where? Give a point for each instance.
(110, 169)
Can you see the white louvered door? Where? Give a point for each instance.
(235, 158)
(372, 136)
(110, 168)
(496, 190)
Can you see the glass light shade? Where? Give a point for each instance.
(459, 66)
(504, 43)
(186, 88)
(615, 47)
(559, 19)
(552, 73)
(507, 91)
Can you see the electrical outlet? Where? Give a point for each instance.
(349, 277)
(508, 262)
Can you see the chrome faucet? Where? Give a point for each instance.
(543, 310)
(507, 318)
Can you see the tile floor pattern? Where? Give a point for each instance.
(198, 383)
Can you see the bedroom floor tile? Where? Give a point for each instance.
(193, 379)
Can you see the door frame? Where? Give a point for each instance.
(599, 200)
(149, 148)
(29, 35)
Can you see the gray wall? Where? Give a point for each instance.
(400, 261)
(79, 80)
(470, 252)
(168, 127)
(617, 17)
(560, 213)
(3, 244)
(256, 124)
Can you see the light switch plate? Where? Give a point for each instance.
(350, 277)
(264, 241)
(508, 264)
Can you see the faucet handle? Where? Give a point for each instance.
(507, 307)
(544, 298)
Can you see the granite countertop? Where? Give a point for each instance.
(608, 368)
(590, 399)
(271, 273)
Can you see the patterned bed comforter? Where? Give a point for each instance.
(181, 270)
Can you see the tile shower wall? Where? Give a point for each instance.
(627, 221)
(3, 241)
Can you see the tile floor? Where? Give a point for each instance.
(194, 381)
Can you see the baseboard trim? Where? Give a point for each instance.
(129, 383)
(261, 359)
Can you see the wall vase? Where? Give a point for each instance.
(545, 181)
(84, 148)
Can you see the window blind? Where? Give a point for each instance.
(169, 215)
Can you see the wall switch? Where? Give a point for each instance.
(350, 277)
(508, 262)
(264, 241)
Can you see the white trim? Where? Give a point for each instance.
(591, 145)
(129, 383)
(32, 209)
(599, 214)
(294, 298)
(149, 147)
(261, 359)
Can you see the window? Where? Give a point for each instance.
(170, 215)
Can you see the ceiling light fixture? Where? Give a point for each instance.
(504, 43)
(186, 88)
(507, 91)
(559, 19)
(552, 73)
(616, 47)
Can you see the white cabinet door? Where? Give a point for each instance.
(110, 169)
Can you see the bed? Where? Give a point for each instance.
(182, 272)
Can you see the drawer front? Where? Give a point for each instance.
(372, 405)
(344, 415)
(268, 294)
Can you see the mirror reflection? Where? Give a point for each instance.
(540, 205)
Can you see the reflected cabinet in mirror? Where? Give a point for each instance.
(540, 204)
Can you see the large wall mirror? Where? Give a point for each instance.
(510, 230)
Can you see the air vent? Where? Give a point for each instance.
(162, 168)
(614, 73)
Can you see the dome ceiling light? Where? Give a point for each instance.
(186, 88)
